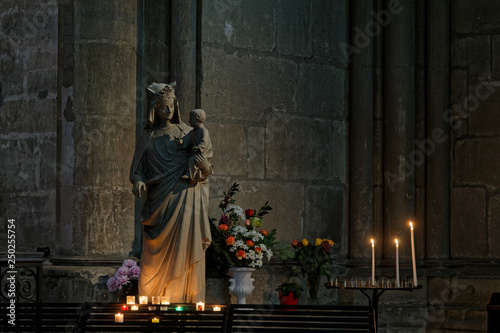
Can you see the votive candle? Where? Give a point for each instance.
(200, 306)
(143, 299)
(165, 300)
(118, 318)
(216, 308)
(155, 300)
(134, 308)
(155, 320)
(124, 307)
(130, 300)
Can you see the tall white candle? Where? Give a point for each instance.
(397, 264)
(415, 282)
(373, 263)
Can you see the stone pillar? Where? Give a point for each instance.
(420, 125)
(361, 130)
(183, 53)
(437, 149)
(378, 136)
(95, 216)
(399, 124)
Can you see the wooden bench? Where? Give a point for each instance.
(100, 317)
(41, 317)
(299, 318)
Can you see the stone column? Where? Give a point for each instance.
(363, 29)
(399, 124)
(183, 53)
(98, 131)
(437, 147)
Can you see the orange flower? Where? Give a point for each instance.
(258, 250)
(264, 232)
(241, 254)
(295, 243)
(330, 242)
(230, 240)
(223, 227)
(249, 243)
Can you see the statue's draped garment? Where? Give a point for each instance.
(175, 219)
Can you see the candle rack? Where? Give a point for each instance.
(377, 290)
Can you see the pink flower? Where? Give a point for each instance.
(247, 222)
(134, 272)
(129, 263)
(112, 284)
(122, 280)
(122, 271)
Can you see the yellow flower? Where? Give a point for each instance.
(305, 242)
(330, 242)
(318, 241)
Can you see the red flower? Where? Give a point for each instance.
(326, 246)
(223, 227)
(295, 243)
(230, 240)
(258, 250)
(249, 213)
(249, 243)
(241, 254)
(264, 232)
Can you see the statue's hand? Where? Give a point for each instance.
(204, 165)
(138, 187)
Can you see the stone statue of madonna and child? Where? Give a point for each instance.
(171, 167)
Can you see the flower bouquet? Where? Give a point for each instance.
(314, 261)
(126, 279)
(236, 241)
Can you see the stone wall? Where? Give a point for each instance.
(292, 120)
(273, 84)
(28, 126)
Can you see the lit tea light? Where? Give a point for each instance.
(216, 308)
(143, 299)
(119, 318)
(165, 300)
(200, 306)
(155, 320)
(163, 308)
(151, 308)
(134, 308)
(155, 300)
(178, 308)
(130, 300)
(124, 307)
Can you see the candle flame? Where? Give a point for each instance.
(397, 244)
(373, 243)
(411, 225)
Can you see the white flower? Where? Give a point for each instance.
(269, 254)
(251, 254)
(235, 209)
(259, 255)
(263, 247)
(238, 230)
(258, 262)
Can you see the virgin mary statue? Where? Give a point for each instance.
(175, 211)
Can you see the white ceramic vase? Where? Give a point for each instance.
(241, 283)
